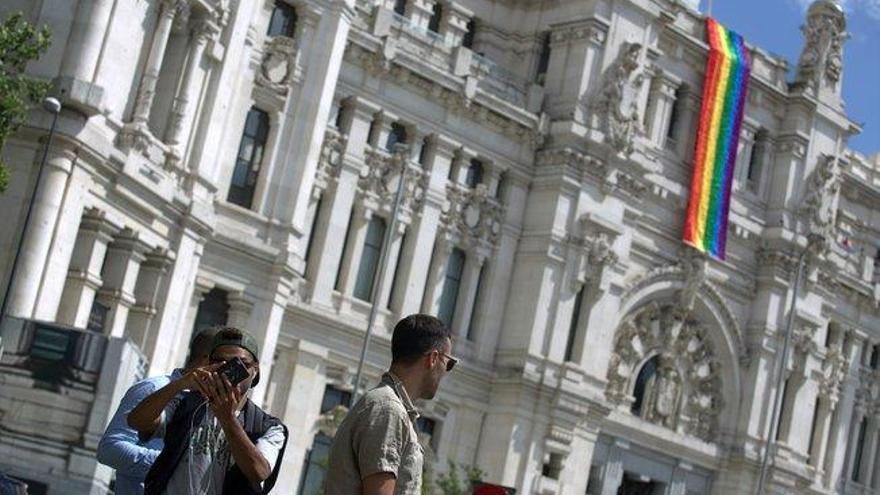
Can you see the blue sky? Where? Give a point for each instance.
(775, 26)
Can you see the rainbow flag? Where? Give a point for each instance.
(724, 95)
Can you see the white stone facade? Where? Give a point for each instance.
(549, 151)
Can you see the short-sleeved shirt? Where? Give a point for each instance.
(203, 467)
(377, 436)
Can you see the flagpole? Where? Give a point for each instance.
(710, 8)
(400, 157)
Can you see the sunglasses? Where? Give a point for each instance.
(450, 361)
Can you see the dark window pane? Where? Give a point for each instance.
(423, 153)
(543, 59)
(400, 7)
(97, 317)
(334, 397)
(477, 296)
(250, 157)
(366, 275)
(434, 22)
(573, 326)
(451, 285)
(397, 134)
(474, 173)
(283, 22)
(860, 447)
(648, 371)
(213, 310)
(468, 40)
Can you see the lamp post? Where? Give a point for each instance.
(400, 158)
(812, 241)
(53, 106)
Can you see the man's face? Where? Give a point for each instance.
(437, 363)
(226, 352)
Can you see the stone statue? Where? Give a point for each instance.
(615, 104)
(821, 59)
(662, 394)
(820, 197)
(694, 267)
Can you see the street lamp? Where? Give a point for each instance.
(53, 106)
(399, 158)
(812, 241)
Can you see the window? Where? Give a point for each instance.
(573, 326)
(648, 371)
(860, 447)
(451, 285)
(543, 59)
(363, 286)
(434, 22)
(337, 284)
(426, 428)
(756, 159)
(400, 7)
(468, 40)
(811, 460)
(250, 156)
(312, 231)
(471, 329)
(97, 317)
(334, 397)
(672, 129)
(423, 152)
(502, 184)
(782, 409)
(474, 173)
(553, 467)
(875, 356)
(396, 271)
(283, 21)
(213, 310)
(396, 135)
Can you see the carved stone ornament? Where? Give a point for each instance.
(820, 197)
(378, 180)
(821, 59)
(834, 371)
(594, 254)
(331, 156)
(472, 215)
(693, 265)
(279, 63)
(685, 392)
(615, 103)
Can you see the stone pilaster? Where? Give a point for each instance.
(661, 98)
(147, 294)
(454, 24)
(76, 83)
(467, 294)
(391, 265)
(168, 10)
(576, 49)
(84, 274)
(351, 258)
(434, 286)
(121, 267)
(202, 32)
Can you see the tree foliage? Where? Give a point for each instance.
(20, 42)
(449, 483)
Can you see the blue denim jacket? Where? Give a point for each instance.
(120, 448)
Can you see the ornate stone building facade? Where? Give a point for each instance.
(236, 161)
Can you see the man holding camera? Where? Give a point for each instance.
(216, 440)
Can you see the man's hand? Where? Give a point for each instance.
(225, 398)
(199, 379)
(379, 484)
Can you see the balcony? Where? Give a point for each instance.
(59, 387)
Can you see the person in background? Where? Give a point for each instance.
(376, 450)
(120, 447)
(216, 440)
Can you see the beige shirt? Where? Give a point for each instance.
(377, 436)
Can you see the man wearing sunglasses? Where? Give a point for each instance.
(376, 450)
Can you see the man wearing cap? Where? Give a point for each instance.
(216, 440)
(376, 450)
(120, 447)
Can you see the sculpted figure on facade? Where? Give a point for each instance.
(615, 103)
(821, 59)
(663, 394)
(820, 197)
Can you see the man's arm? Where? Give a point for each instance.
(146, 416)
(225, 401)
(119, 447)
(379, 484)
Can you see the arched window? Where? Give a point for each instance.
(646, 375)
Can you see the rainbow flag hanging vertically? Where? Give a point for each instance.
(724, 95)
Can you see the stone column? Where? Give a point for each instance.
(148, 295)
(168, 10)
(786, 177)
(266, 320)
(678, 484)
(84, 274)
(662, 99)
(296, 176)
(820, 434)
(381, 128)
(434, 286)
(201, 33)
(76, 83)
(575, 62)
(336, 207)
(414, 268)
(454, 24)
(38, 234)
(612, 472)
(124, 257)
(492, 178)
(461, 164)
(240, 308)
(687, 123)
(467, 294)
(869, 452)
